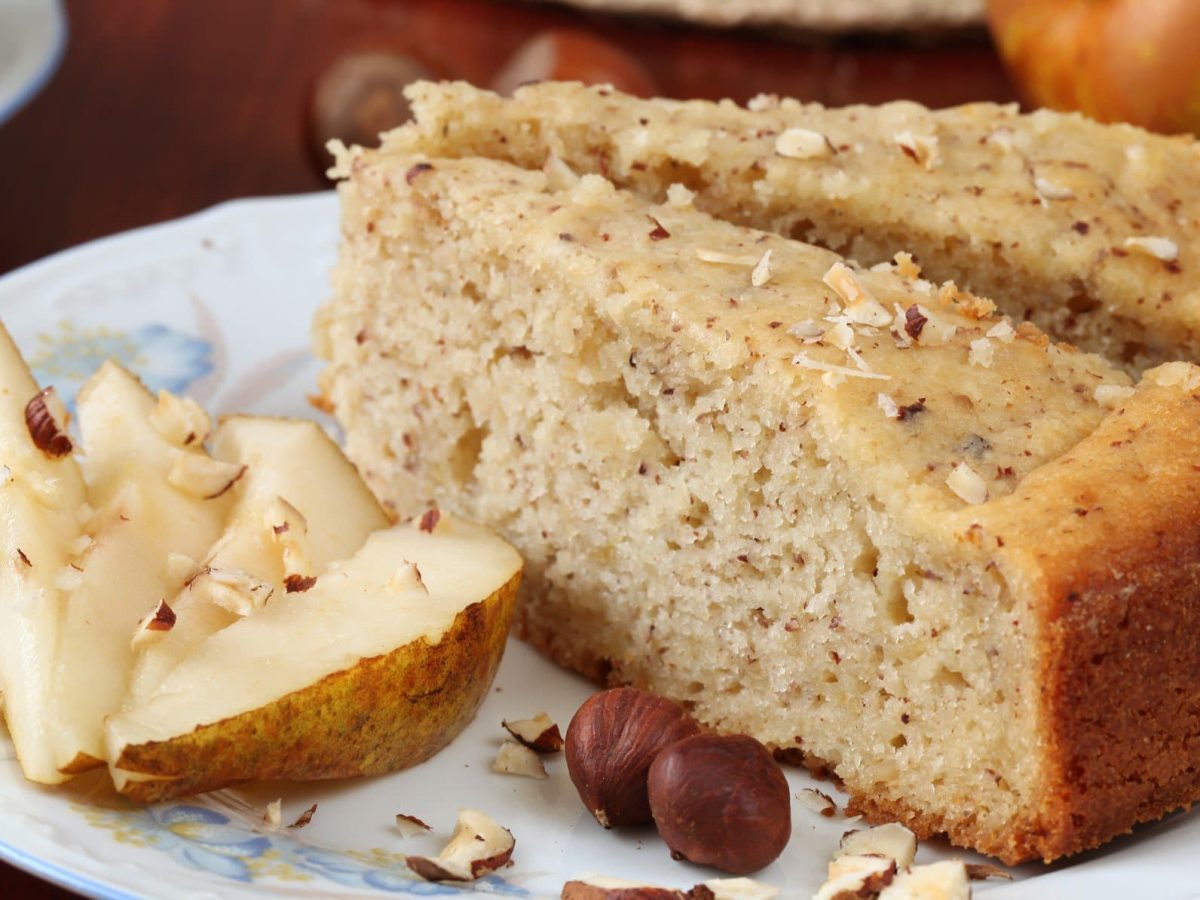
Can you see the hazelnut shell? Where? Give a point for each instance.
(611, 742)
(721, 801)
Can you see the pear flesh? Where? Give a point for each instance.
(41, 502)
(375, 667)
(141, 517)
(300, 506)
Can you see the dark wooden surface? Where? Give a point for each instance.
(164, 107)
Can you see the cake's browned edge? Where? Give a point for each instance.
(1110, 546)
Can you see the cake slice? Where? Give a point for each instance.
(854, 515)
(1088, 230)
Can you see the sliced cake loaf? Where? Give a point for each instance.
(1086, 229)
(841, 510)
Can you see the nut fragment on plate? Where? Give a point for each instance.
(818, 801)
(891, 840)
(936, 881)
(517, 759)
(273, 815)
(410, 826)
(305, 817)
(601, 887)
(984, 871)
(477, 847)
(852, 877)
(539, 733)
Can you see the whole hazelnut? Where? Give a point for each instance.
(610, 744)
(721, 801)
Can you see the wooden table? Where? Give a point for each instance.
(164, 107)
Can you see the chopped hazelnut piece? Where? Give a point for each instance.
(852, 877)
(921, 148)
(410, 826)
(1049, 190)
(818, 801)
(601, 887)
(233, 590)
(804, 361)
(808, 331)
(984, 871)
(936, 881)
(802, 143)
(1159, 247)
(559, 175)
(762, 270)
(1002, 331)
(201, 476)
(737, 889)
(679, 195)
(540, 733)
(180, 420)
(982, 353)
(967, 484)
(517, 759)
(46, 419)
(305, 817)
(154, 624)
(840, 336)
(477, 847)
(726, 259)
(273, 816)
(861, 307)
(891, 840)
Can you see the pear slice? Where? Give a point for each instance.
(375, 667)
(299, 506)
(41, 499)
(145, 511)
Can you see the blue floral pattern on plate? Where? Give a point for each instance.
(164, 358)
(213, 842)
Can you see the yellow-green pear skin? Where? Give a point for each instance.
(381, 715)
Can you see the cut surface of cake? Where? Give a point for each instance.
(845, 511)
(1085, 229)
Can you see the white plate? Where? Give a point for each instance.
(219, 305)
(32, 36)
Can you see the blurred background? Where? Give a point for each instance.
(119, 113)
(163, 107)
